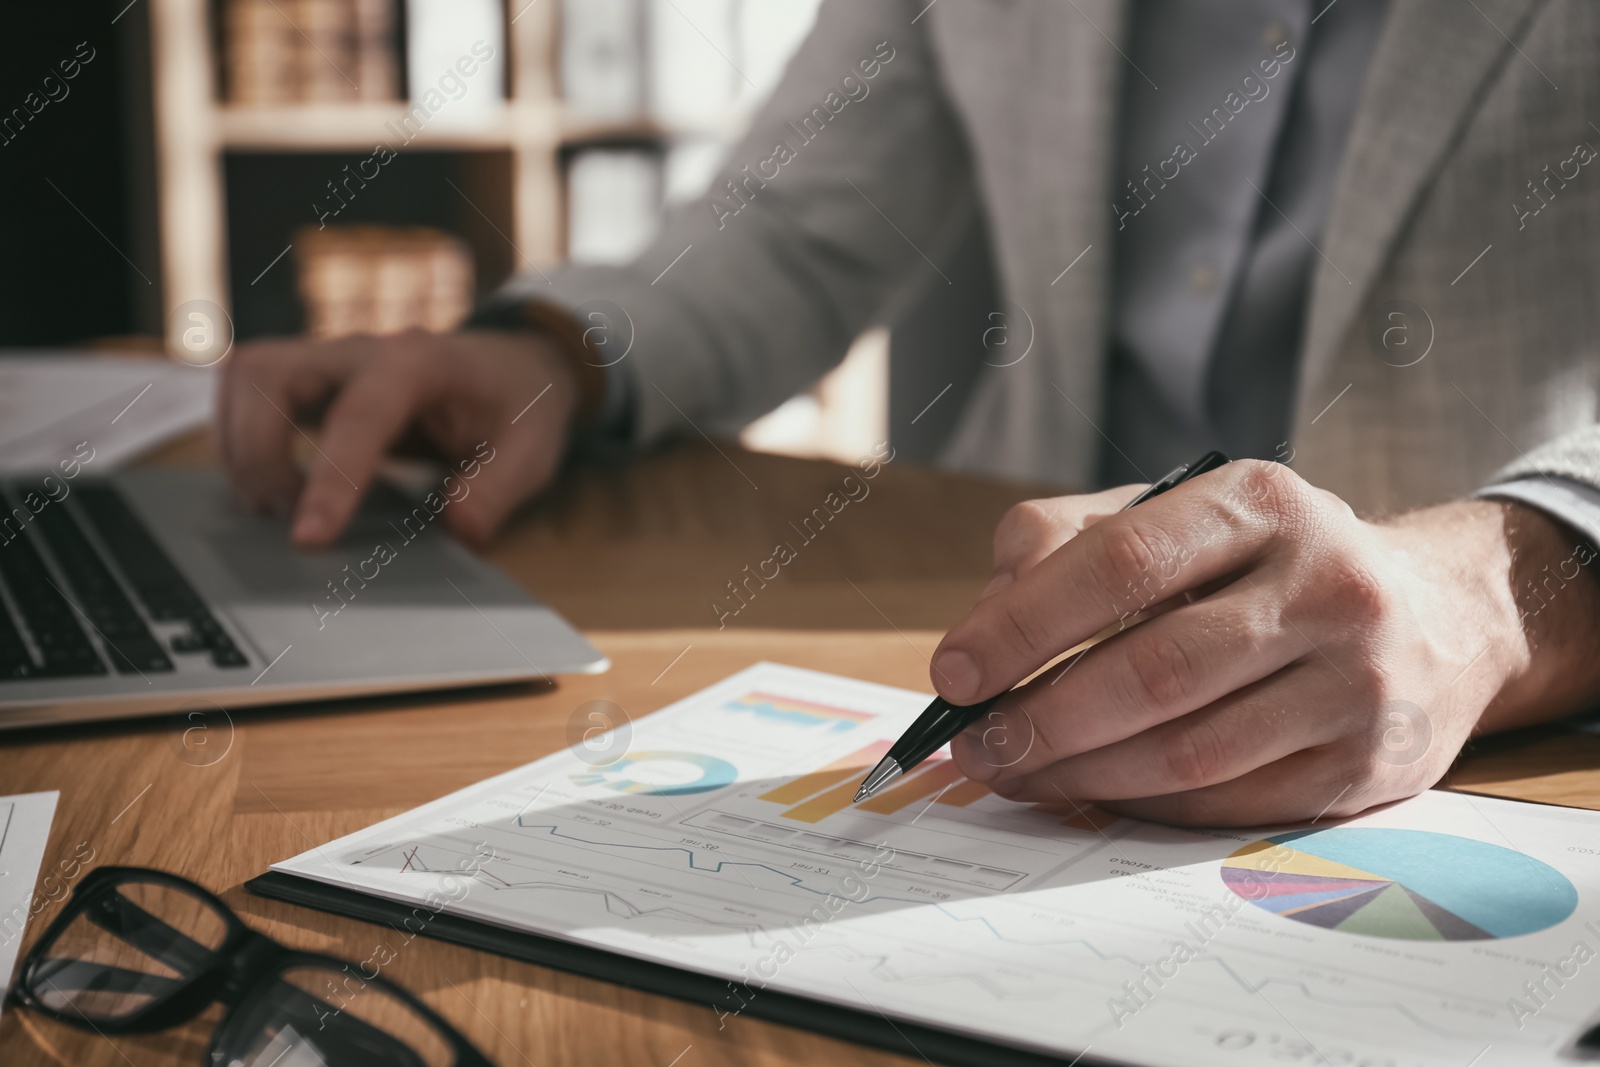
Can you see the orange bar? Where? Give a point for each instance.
(1090, 818)
(964, 793)
(825, 804)
(853, 765)
(928, 782)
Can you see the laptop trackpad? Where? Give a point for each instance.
(375, 562)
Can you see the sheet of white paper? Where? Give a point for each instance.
(24, 831)
(717, 835)
(118, 406)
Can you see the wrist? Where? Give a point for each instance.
(571, 344)
(1552, 578)
(516, 364)
(1524, 589)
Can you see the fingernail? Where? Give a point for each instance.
(967, 750)
(955, 676)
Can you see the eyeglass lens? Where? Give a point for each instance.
(319, 1016)
(130, 947)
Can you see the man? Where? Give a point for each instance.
(1354, 236)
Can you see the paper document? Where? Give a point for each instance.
(52, 405)
(717, 835)
(24, 831)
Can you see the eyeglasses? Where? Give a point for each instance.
(137, 951)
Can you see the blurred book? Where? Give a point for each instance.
(382, 279)
(299, 51)
(613, 203)
(377, 62)
(602, 59)
(456, 59)
(59, 406)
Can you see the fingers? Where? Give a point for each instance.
(511, 466)
(1152, 674)
(517, 433)
(1033, 529)
(1251, 728)
(262, 386)
(373, 409)
(1311, 785)
(499, 404)
(1204, 530)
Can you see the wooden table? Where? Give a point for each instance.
(634, 554)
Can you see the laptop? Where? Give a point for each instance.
(149, 592)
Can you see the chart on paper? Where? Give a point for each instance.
(723, 840)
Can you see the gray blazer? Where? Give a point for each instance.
(1463, 195)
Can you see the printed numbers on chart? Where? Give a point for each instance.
(1282, 1049)
(926, 892)
(709, 846)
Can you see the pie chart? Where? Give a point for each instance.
(1409, 885)
(662, 774)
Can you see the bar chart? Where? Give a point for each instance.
(831, 789)
(771, 708)
(813, 797)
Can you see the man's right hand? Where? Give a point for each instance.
(515, 391)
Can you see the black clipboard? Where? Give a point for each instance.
(862, 1027)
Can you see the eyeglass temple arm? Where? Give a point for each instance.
(150, 935)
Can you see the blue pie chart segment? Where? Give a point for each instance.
(1404, 884)
(662, 774)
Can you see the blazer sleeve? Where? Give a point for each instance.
(1560, 477)
(855, 176)
(1574, 456)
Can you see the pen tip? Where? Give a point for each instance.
(887, 770)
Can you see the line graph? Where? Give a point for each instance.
(881, 963)
(947, 905)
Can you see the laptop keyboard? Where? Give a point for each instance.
(65, 623)
(159, 585)
(63, 646)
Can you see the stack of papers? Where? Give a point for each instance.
(53, 403)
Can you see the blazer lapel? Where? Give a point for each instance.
(1432, 58)
(1039, 83)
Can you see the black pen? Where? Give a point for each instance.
(942, 721)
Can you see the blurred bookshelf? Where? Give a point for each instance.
(315, 158)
